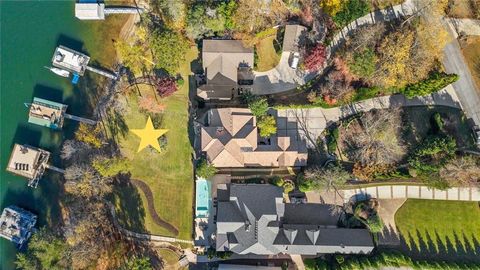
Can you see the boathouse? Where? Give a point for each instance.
(90, 11)
(29, 162)
(47, 113)
(70, 60)
(17, 224)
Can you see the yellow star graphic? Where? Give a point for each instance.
(149, 135)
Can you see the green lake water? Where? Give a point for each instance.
(29, 33)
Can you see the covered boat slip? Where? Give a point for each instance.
(70, 60)
(47, 113)
(17, 224)
(29, 162)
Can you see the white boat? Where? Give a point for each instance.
(59, 71)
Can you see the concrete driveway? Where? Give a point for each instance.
(310, 123)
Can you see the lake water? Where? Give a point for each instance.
(29, 33)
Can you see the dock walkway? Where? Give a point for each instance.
(107, 74)
(80, 119)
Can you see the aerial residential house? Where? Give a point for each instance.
(253, 219)
(16, 225)
(231, 140)
(227, 66)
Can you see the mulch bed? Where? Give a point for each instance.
(151, 207)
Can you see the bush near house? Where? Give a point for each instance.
(166, 86)
(315, 58)
(205, 170)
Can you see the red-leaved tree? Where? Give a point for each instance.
(315, 58)
(166, 86)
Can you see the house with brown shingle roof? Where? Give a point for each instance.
(227, 66)
(231, 140)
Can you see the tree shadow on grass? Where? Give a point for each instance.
(459, 249)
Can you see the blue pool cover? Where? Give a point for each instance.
(202, 198)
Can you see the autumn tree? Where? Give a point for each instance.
(108, 167)
(252, 16)
(315, 58)
(166, 86)
(394, 59)
(206, 19)
(89, 134)
(169, 49)
(375, 144)
(363, 63)
(267, 126)
(149, 104)
(173, 12)
(331, 7)
(462, 171)
(330, 178)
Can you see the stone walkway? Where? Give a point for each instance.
(310, 123)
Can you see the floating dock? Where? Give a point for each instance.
(92, 10)
(29, 162)
(17, 224)
(51, 114)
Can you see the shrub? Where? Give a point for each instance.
(437, 123)
(180, 81)
(258, 106)
(267, 126)
(351, 10)
(166, 86)
(363, 63)
(435, 82)
(111, 166)
(278, 181)
(205, 170)
(332, 138)
(288, 187)
(315, 58)
(366, 93)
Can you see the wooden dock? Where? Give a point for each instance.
(105, 73)
(53, 168)
(80, 119)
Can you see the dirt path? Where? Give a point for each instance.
(151, 207)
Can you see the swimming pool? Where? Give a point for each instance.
(202, 198)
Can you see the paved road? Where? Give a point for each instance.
(465, 87)
(310, 123)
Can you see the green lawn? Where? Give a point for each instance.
(267, 56)
(441, 221)
(169, 174)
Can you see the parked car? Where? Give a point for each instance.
(294, 60)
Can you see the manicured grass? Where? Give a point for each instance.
(439, 224)
(169, 174)
(267, 57)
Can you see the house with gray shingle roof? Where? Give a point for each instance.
(227, 66)
(254, 219)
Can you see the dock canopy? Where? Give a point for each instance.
(90, 11)
(16, 225)
(47, 113)
(70, 60)
(29, 162)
